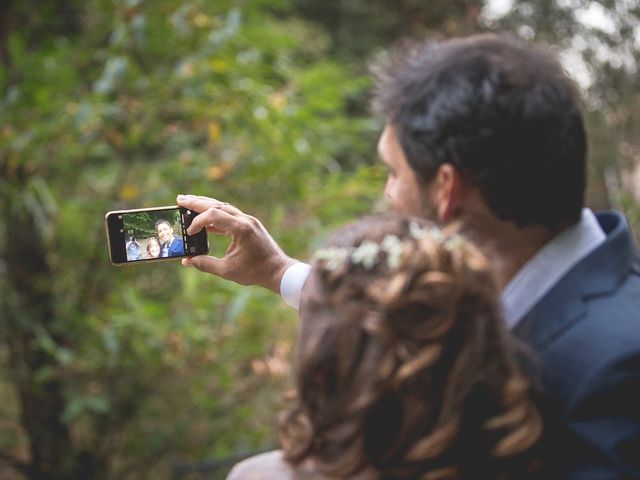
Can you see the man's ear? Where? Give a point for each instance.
(448, 193)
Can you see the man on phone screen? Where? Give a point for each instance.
(171, 245)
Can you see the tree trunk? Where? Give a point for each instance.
(31, 314)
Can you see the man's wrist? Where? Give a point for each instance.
(277, 271)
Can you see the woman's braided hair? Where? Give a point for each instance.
(404, 368)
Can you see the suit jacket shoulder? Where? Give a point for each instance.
(586, 334)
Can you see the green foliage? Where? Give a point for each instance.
(359, 26)
(144, 101)
(114, 104)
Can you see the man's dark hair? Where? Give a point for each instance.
(502, 111)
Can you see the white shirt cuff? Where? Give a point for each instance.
(292, 283)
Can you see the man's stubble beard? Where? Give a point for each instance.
(426, 210)
(429, 211)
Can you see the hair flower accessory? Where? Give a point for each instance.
(366, 254)
(394, 247)
(433, 233)
(453, 242)
(334, 256)
(449, 243)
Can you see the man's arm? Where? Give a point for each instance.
(253, 257)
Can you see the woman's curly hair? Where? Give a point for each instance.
(407, 372)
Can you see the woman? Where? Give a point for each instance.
(404, 368)
(153, 247)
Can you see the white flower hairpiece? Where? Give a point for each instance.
(367, 253)
(433, 233)
(454, 242)
(334, 256)
(394, 247)
(450, 243)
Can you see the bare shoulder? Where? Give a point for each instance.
(265, 466)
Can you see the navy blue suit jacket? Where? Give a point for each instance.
(586, 335)
(176, 247)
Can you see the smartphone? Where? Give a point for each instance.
(153, 234)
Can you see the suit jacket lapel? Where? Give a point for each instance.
(600, 272)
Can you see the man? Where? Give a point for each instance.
(170, 244)
(488, 131)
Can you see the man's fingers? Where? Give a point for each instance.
(202, 205)
(213, 203)
(197, 203)
(230, 209)
(213, 229)
(219, 219)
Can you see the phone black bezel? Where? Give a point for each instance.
(114, 224)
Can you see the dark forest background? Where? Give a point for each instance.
(123, 373)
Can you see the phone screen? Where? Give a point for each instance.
(153, 234)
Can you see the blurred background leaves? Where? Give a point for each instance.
(120, 373)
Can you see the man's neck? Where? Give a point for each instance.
(507, 246)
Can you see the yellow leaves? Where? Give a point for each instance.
(214, 131)
(278, 100)
(219, 66)
(201, 20)
(71, 108)
(219, 171)
(129, 192)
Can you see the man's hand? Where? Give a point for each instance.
(253, 258)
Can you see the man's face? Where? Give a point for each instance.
(165, 232)
(403, 189)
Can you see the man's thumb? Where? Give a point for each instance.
(205, 263)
